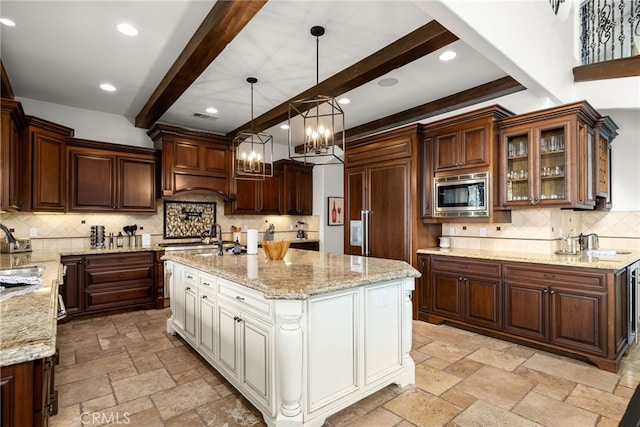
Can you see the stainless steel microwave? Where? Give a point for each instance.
(461, 196)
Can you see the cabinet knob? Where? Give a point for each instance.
(204, 297)
(189, 277)
(545, 290)
(187, 288)
(239, 298)
(552, 292)
(205, 283)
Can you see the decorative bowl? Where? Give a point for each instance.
(275, 249)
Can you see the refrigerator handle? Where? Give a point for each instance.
(364, 217)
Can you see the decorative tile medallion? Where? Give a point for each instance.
(188, 219)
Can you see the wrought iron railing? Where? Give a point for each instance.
(610, 30)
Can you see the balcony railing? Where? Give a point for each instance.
(610, 30)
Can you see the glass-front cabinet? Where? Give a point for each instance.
(548, 158)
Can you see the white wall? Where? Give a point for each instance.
(328, 181)
(88, 124)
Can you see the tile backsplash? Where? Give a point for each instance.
(73, 230)
(540, 230)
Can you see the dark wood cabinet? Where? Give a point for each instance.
(467, 290)
(254, 197)
(103, 179)
(27, 396)
(71, 288)
(466, 143)
(606, 131)
(555, 158)
(45, 180)
(193, 161)
(112, 281)
(301, 244)
(297, 187)
(13, 120)
(576, 311)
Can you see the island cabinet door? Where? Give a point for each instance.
(333, 347)
(229, 341)
(191, 312)
(382, 330)
(207, 322)
(256, 360)
(176, 294)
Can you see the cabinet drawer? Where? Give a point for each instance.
(244, 298)
(460, 266)
(567, 276)
(120, 297)
(117, 260)
(190, 276)
(120, 277)
(207, 283)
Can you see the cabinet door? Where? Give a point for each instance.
(207, 326)
(474, 147)
(256, 366)
(518, 168)
(72, 289)
(246, 197)
(187, 156)
(9, 160)
(389, 195)
(526, 310)
(191, 313)
(49, 185)
(228, 341)
(423, 288)
(355, 203)
(299, 190)
(578, 319)
(271, 195)
(446, 145)
(92, 181)
(136, 185)
(177, 295)
(483, 302)
(447, 294)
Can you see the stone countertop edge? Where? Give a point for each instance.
(28, 323)
(578, 260)
(301, 275)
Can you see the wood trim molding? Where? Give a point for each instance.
(613, 69)
(223, 23)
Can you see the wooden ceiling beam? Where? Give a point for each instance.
(484, 92)
(223, 23)
(424, 40)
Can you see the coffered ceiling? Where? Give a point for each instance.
(191, 55)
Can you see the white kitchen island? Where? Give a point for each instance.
(300, 338)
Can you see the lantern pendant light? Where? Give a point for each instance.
(316, 124)
(254, 150)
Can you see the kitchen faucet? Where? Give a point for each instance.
(216, 230)
(7, 233)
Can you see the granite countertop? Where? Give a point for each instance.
(300, 275)
(578, 260)
(28, 322)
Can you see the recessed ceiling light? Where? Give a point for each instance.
(388, 82)
(448, 55)
(8, 22)
(127, 29)
(212, 110)
(108, 87)
(284, 126)
(344, 101)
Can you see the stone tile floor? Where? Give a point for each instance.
(125, 369)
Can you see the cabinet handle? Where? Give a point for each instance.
(237, 319)
(189, 277)
(239, 298)
(187, 288)
(205, 283)
(204, 297)
(549, 276)
(545, 290)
